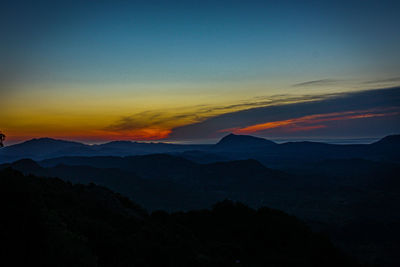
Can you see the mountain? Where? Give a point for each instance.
(47, 222)
(347, 191)
(292, 154)
(24, 165)
(42, 148)
(230, 147)
(128, 148)
(162, 181)
(177, 169)
(392, 140)
(174, 183)
(208, 182)
(150, 166)
(337, 196)
(233, 142)
(45, 148)
(152, 193)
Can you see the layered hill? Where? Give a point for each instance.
(47, 222)
(231, 147)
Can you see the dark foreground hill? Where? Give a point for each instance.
(354, 201)
(48, 222)
(161, 181)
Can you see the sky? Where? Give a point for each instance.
(192, 71)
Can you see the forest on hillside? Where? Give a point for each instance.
(50, 222)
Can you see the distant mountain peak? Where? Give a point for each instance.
(25, 162)
(390, 139)
(48, 140)
(45, 143)
(120, 142)
(234, 141)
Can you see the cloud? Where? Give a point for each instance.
(294, 112)
(388, 80)
(321, 82)
(378, 99)
(148, 125)
(158, 124)
(315, 121)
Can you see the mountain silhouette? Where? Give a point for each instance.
(347, 191)
(42, 148)
(162, 181)
(25, 166)
(47, 144)
(389, 140)
(230, 147)
(230, 175)
(233, 141)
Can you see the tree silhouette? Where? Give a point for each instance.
(2, 138)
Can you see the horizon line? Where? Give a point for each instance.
(213, 141)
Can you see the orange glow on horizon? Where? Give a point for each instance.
(95, 136)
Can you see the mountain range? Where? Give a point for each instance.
(344, 191)
(230, 147)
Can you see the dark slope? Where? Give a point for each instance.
(125, 148)
(357, 173)
(347, 190)
(155, 166)
(47, 222)
(312, 191)
(168, 167)
(387, 148)
(41, 148)
(152, 193)
(24, 165)
(234, 142)
(389, 140)
(335, 195)
(323, 190)
(202, 157)
(163, 181)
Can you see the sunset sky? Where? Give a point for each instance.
(178, 71)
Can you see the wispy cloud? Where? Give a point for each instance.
(383, 81)
(150, 125)
(282, 111)
(312, 122)
(290, 113)
(158, 124)
(321, 82)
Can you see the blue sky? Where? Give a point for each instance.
(103, 61)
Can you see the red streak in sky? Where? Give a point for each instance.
(311, 122)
